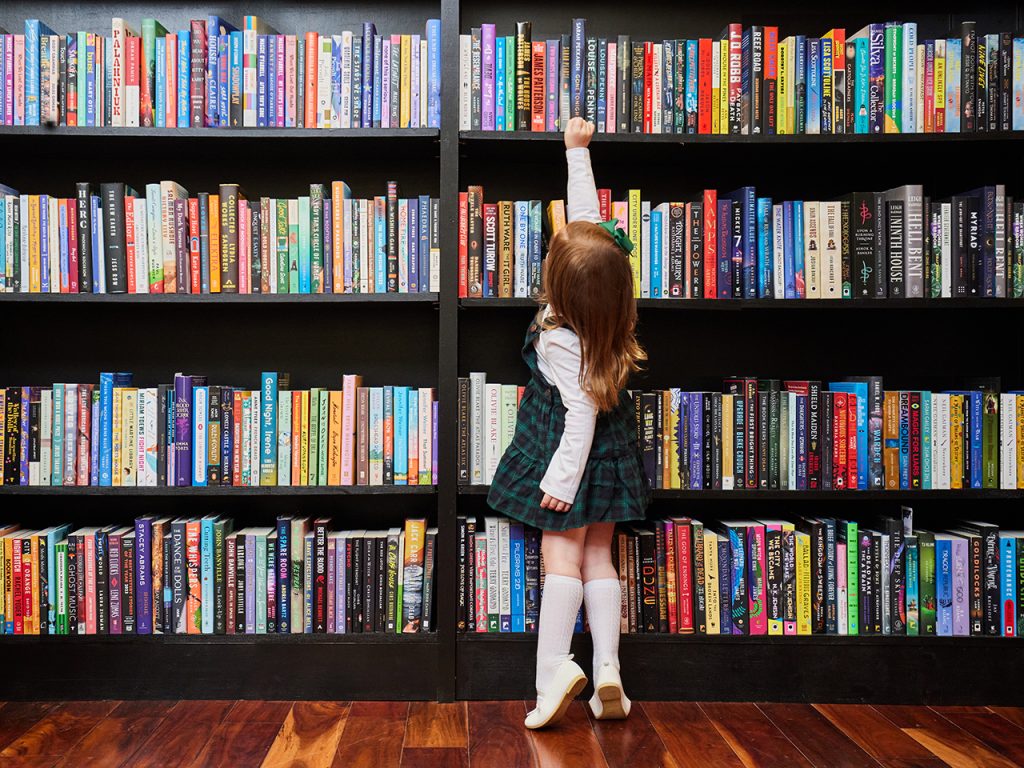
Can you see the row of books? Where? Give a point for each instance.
(881, 79)
(899, 243)
(790, 435)
(189, 433)
(109, 238)
(192, 575)
(214, 75)
(806, 576)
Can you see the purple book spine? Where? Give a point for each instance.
(183, 430)
(433, 444)
(696, 411)
(332, 598)
(487, 72)
(114, 583)
(960, 588)
(143, 576)
(552, 61)
(250, 584)
(340, 587)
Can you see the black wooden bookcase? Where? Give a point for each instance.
(431, 339)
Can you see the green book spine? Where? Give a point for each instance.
(316, 236)
(852, 579)
(61, 560)
(281, 235)
(893, 77)
(321, 459)
(313, 472)
(913, 587)
(990, 440)
(926, 582)
(292, 217)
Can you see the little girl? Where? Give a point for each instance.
(574, 467)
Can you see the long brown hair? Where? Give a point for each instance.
(588, 283)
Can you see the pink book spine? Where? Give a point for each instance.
(611, 78)
(291, 67)
(84, 437)
(348, 427)
(90, 584)
(844, 598)
(19, 79)
(756, 586)
(72, 225)
(8, 80)
(171, 102)
(788, 541)
(481, 589)
(244, 248)
(279, 86)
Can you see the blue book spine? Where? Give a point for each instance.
(800, 84)
(801, 443)
(926, 441)
(798, 249)
(860, 389)
(378, 57)
(691, 86)
(788, 245)
(33, 29)
(106, 429)
(765, 288)
(401, 439)
(366, 113)
(433, 73)
(184, 76)
(861, 124)
(1008, 584)
(424, 245)
(160, 99)
(943, 587)
(98, 267)
(724, 585)
(200, 434)
(282, 571)
(913, 589)
(814, 85)
(144, 575)
(518, 577)
(268, 428)
(656, 235)
(212, 96)
(235, 84)
(414, 244)
(499, 83)
(724, 248)
(44, 243)
(696, 422)
(976, 454)
(904, 440)
(535, 249)
(206, 574)
(261, 81)
(380, 276)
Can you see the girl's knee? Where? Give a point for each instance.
(563, 553)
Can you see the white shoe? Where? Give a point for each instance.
(609, 701)
(552, 704)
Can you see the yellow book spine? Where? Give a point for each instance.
(556, 215)
(115, 438)
(34, 275)
(666, 466)
(728, 480)
(939, 95)
(129, 435)
(790, 64)
(304, 441)
(956, 441)
(214, 207)
(33, 612)
(803, 584)
(8, 576)
(634, 236)
(334, 439)
(711, 586)
(1020, 441)
(716, 85)
(406, 81)
(783, 85)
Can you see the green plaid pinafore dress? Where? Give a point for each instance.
(614, 487)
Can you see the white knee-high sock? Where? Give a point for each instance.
(604, 601)
(560, 602)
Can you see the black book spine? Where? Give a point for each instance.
(878, 282)
(648, 583)
(213, 437)
(162, 392)
(83, 193)
(818, 576)
(369, 584)
(717, 437)
(876, 582)
(826, 441)
(700, 598)
(623, 71)
(896, 248)
(976, 581)
(33, 428)
(102, 583)
(774, 437)
(763, 439)
(43, 608)
(380, 559)
(968, 77)
(637, 88)
(590, 91)
(814, 469)
(470, 586)
(972, 239)
(751, 421)
(524, 59)
(659, 463)
(354, 574)
(846, 254)
(991, 579)
(114, 248)
(320, 575)
(992, 85)
(391, 609)
(271, 600)
(12, 435)
(707, 441)
(461, 527)
(648, 447)
(239, 617)
(865, 584)
(736, 248)
(429, 558)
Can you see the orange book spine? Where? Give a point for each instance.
(710, 243)
(309, 108)
(704, 105)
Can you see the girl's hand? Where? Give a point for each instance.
(555, 505)
(578, 133)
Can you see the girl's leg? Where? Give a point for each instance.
(560, 602)
(603, 596)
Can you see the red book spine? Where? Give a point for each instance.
(604, 203)
(236, 437)
(684, 577)
(771, 76)
(839, 457)
(704, 105)
(463, 245)
(72, 224)
(648, 87)
(194, 256)
(129, 240)
(537, 87)
(851, 441)
(710, 243)
(915, 440)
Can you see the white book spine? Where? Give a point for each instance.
(345, 115)
(509, 412)
(909, 84)
(946, 243)
(423, 85)
(492, 438)
(249, 38)
(323, 83)
(1008, 438)
(153, 241)
(942, 445)
(778, 253)
(656, 87)
(491, 529)
(141, 246)
(45, 435)
(477, 382)
(254, 440)
(140, 438)
(426, 417)
(832, 258)
(812, 250)
(645, 249)
(465, 73)
(149, 433)
(117, 79)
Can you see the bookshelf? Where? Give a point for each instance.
(443, 337)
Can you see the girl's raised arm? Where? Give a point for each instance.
(581, 194)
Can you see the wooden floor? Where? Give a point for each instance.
(164, 734)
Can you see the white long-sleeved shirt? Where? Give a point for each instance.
(559, 358)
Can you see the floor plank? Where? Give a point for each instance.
(310, 735)
(1014, 714)
(237, 744)
(571, 743)
(437, 725)
(16, 717)
(435, 757)
(40, 761)
(143, 708)
(874, 733)
(59, 730)
(497, 735)
(373, 736)
(991, 729)
(942, 737)
(689, 735)
(633, 742)
(752, 736)
(258, 712)
(112, 742)
(816, 737)
(182, 734)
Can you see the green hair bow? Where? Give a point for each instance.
(611, 227)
